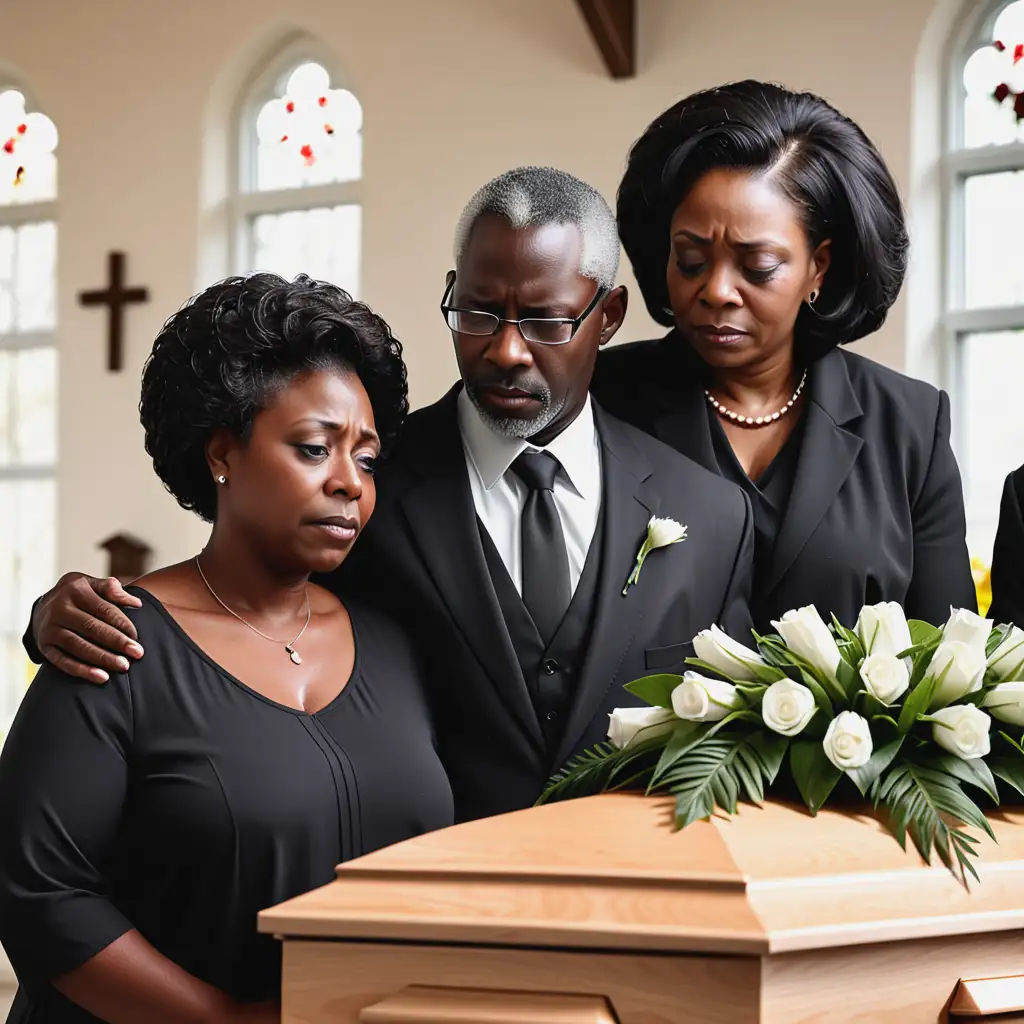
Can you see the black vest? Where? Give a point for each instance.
(551, 673)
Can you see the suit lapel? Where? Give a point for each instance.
(684, 426)
(827, 456)
(440, 513)
(629, 503)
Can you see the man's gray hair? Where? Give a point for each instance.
(533, 196)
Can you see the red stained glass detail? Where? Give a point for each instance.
(290, 107)
(22, 128)
(9, 146)
(307, 154)
(329, 129)
(284, 138)
(1000, 46)
(1002, 91)
(1018, 106)
(19, 175)
(322, 101)
(1018, 53)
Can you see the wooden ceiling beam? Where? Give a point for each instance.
(612, 25)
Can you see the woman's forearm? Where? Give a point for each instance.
(130, 981)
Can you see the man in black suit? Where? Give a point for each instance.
(1008, 554)
(510, 515)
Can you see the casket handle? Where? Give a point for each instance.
(427, 1004)
(985, 997)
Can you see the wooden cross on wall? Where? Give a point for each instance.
(115, 297)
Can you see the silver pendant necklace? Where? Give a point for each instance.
(289, 647)
(756, 421)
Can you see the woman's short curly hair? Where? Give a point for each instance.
(823, 162)
(218, 360)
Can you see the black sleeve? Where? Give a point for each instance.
(63, 778)
(1008, 555)
(942, 567)
(29, 639)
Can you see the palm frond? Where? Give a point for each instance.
(600, 768)
(918, 800)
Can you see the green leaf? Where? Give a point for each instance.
(1010, 770)
(850, 645)
(870, 706)
(692, 734)
(918, 700)
(887, 741)
(922, 633)
(771, 748)
(821, 698)
(849, 679)
(974, 772)
(594, 770)
(656, 690)
(996, 637)
(815, 775)
(918, 799)
(716, 774)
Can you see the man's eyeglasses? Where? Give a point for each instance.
(540, 331)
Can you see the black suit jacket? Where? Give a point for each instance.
(1008, 554)
(421, 559)
(876, 512)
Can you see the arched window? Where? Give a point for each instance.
(985, 236)
(28, 377)
(297, 177)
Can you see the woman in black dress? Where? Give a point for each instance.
(270, 732)
(765, 229)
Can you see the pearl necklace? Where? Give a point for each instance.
(756, 421)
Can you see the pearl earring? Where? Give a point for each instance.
(222, 479)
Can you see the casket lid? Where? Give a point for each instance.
(609, 872)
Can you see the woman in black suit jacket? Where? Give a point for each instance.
(765, 228)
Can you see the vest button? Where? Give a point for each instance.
(550, 666)
(551, 716)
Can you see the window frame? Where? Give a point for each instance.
(245, 203)
(960, 163)
(16, 215)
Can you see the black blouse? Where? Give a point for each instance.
(178, 801)
(769, 494)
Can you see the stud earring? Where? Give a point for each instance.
(222, 479)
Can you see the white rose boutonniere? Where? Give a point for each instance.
(660, 534)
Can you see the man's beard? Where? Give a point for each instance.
(519, 426)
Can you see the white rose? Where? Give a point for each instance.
(967, 628)
(962, 730)
(804, 631)
(966, 670)
(1006, 702)
(847, 741)
(1007, 661)
(723, 653)
(700, 699)
(626, 724)
(662, 532)
(883, 629)
(885, 677)
(787, 707)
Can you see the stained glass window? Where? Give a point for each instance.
(996, 69)
(298, 205)
(28, 380)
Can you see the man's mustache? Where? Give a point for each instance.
(531, 384)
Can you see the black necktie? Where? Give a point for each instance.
(545, 561)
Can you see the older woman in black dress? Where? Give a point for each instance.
(765, 229)
(270, 732)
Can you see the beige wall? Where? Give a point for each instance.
(140, 90)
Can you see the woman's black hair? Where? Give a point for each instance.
(825, 165)
(223, 355)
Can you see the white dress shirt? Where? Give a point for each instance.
(499, 495)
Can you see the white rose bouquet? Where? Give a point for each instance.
(914, 716)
